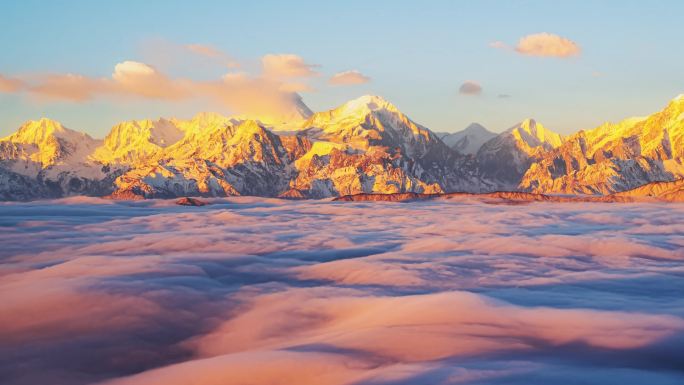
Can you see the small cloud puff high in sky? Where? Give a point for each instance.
(470, 87)
(542, 44)
(348, 77)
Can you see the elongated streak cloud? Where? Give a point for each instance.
(266, 97)
(346, 78)
(286, 66)
(9, 84)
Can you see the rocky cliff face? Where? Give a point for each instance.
(656, 191)
(135, 142)
(240, 158)
(365, 146)
(50, 160)
(368, 145)
(665, 191)
(45, 145)
(506, 157)
(614, 157)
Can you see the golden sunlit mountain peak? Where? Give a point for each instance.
(364, 145)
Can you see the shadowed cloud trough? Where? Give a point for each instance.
(263, 291)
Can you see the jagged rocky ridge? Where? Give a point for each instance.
(614, 157)
(655, 191)
(366, 146)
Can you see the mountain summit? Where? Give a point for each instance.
(469, 140)
(369, 145)
(530, 135)
(614, 156)
(45, 144)
(507, 156)
(370, 121)
(366, 145)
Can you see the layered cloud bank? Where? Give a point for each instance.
(270, 94)
(267, 90)
(259, 291)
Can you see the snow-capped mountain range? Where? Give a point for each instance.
(366, 145)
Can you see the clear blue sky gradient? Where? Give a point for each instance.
(417, 54)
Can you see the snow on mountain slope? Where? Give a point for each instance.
(532, 135)
(614, 157)
(48, 150)
(55, 159)
(469, 140)
(135, 141)
(366, 145)
(19, 187)
(506, 157)
(369, 145)
(370, 121)
(229, 144)
(237, 158)
(45, 143)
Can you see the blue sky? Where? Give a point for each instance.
(416, 55)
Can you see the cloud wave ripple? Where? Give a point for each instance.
(260, 291)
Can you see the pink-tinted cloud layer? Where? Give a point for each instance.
(261, 291)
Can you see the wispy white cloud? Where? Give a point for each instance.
(286, 66)
(212, 53)
(499, 45)
(348, 78)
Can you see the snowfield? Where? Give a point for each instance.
(264, 291)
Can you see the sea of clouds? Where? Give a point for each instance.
(262, 291)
